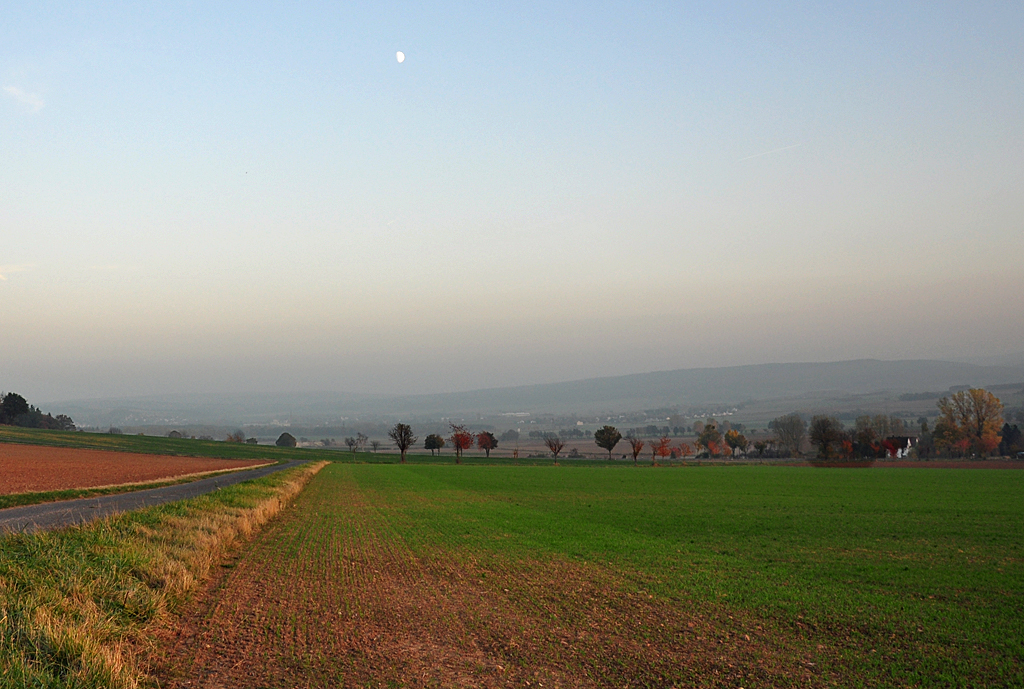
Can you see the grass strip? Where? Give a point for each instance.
(75, 604)
(38, 497)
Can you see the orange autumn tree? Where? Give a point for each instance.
(660, 448)
(969, 420)
(710, 439)
(736, 441)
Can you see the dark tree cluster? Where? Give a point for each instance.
(1012, 443)
(16, 411)
(433, 442)
(607, 437)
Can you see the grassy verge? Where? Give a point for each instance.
(38, 497)
(75, 603)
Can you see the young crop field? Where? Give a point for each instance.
(580, 576)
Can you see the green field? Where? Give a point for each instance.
(580, 576)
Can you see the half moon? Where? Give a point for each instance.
(401, 56)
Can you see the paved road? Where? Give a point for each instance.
(53, 515)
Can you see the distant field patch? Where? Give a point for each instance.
(33, 468)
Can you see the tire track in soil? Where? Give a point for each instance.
(331, 596)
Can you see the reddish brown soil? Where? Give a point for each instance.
(330, 597)
(947, 464)
(938, 464)
(29, 468)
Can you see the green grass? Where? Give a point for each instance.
(73, 601)
(904, 576)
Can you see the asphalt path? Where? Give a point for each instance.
(54, 515)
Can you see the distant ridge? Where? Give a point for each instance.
(732, 384)
(676, 388)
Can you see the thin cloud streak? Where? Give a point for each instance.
(7, 270)
(764, 153)
(30, 100)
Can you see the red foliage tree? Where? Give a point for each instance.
(461, 439)
(486, 442)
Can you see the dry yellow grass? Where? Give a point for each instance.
(76, 604)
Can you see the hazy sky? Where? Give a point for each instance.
(258, 196)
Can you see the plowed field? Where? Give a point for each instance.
(573, 577)
(25, 468)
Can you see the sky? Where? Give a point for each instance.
(256, 197)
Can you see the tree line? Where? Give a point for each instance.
(16, 411)
(970, 422)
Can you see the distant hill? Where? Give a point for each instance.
(733, 384)
(678, 388)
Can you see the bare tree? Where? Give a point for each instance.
(403, 438)
(790, 430)
(554, 443)
(828, 434)
(374, 445)
(635, 444)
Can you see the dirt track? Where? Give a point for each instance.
(29, 468)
